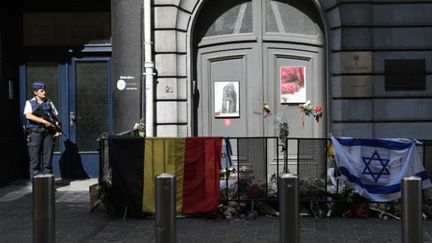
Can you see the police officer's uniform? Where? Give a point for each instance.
(40, 140)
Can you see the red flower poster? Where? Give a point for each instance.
(292, 84)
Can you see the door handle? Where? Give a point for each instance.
(266, 109)
(72, 119)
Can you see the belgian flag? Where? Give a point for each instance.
(195, 161)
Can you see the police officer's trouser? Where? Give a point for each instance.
(40, 145)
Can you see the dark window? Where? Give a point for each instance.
(225, 18)
(405, 74)
(291, 18)
(66, 29)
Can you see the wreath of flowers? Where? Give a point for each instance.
(310, 110)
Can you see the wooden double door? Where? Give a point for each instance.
(246, 90)
(256, 61)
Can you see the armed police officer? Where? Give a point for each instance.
(42, 128)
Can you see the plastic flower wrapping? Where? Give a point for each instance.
(282, 125)
(140, 127)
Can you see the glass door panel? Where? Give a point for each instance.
(91, 116)
(46, 72)
(89, 106)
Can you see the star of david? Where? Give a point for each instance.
(375, 174)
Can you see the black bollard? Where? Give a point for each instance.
(43, 209)
(289, 217)
(412, 225)
(165, 189)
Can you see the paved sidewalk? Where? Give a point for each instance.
(75, 223)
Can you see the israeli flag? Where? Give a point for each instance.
(226, 161)
(375, 167)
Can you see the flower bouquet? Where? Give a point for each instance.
(309, 109)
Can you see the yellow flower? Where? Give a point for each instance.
(330, 150)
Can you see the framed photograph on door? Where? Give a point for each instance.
(292, 81)
(226, 99)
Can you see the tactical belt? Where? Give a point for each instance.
(38, 130)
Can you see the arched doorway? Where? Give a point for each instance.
(256, 61)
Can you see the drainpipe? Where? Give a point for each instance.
(148, 69)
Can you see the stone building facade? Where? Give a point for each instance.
(367, 63)
(362, 41)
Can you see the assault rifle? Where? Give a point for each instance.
(53, 120)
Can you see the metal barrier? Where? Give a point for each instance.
(104, 165)
(412, 226)
(43, 209)
(165, 227)
(257, 162)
